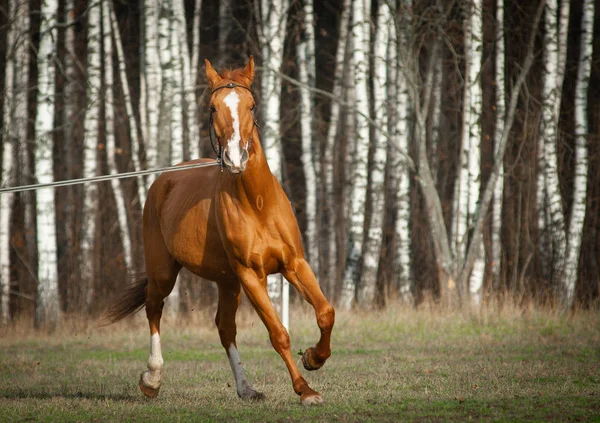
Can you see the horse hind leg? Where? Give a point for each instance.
(160, 285)
(302, 277)
(229, 300)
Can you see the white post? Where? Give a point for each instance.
(285, 304)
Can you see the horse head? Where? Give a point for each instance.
(232, 119)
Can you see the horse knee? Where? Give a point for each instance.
(280, 339)
(326, 318)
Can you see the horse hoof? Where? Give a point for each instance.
(251, 395)
(313, 399)
(147, 390)
(308, 362)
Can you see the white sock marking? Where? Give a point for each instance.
(238, 371)
(233, 145)
(155, 362)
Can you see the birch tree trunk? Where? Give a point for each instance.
(555, 48)
(21, 214)
(306, 69)
(8, 35)
(475, 47)
(467, 184)
(500, 119)
(372, 249)
(332, 130)
(187, 79)
(151, 84)
(90, 160)
(128, 258)
(360, 61)
(399, 124)
(271, 31)
(578, 208)
(193, 80)
(47, 304)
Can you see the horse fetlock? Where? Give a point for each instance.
(247, 392)
(155, 364)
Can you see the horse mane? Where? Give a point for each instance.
(236, 75)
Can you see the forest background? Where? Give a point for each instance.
(433, 149)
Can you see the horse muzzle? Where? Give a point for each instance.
(235, 166)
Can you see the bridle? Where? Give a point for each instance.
(211, 130)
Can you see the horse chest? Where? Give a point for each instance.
(251, 238)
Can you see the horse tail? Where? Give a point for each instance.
(130, 301)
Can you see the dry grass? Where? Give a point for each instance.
(396, 365)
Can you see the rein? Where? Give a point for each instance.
(211, 129)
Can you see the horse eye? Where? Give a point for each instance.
(212, 109)
(253, 108)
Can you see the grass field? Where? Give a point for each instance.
(397, 365)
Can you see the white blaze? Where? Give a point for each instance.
(232, 100)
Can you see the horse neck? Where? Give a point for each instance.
(257, 179)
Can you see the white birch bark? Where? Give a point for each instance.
(555, 44)
(150, 81)
(436, 114)
(271, 31)
(462, 188)
(128, 258)
(360, 60)
(196, 42)
(5, 212)
(165, 128)
(177, 90)
(133, 133)
(332, 129)
(17, 76)
(500, 119)
(90, 159)
(306, 69)
(399, 129)
(187, 78)
(578, 209)
(47, 308)
(193, 79)
(475, 47)
(372, 249)
(7, 176)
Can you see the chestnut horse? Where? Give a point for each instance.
(232, 227)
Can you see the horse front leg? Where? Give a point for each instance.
(229, 300)
(299, 274)
(256, 291)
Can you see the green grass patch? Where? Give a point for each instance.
(391, 366)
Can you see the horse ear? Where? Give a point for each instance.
(211, 74)
(249, 70)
